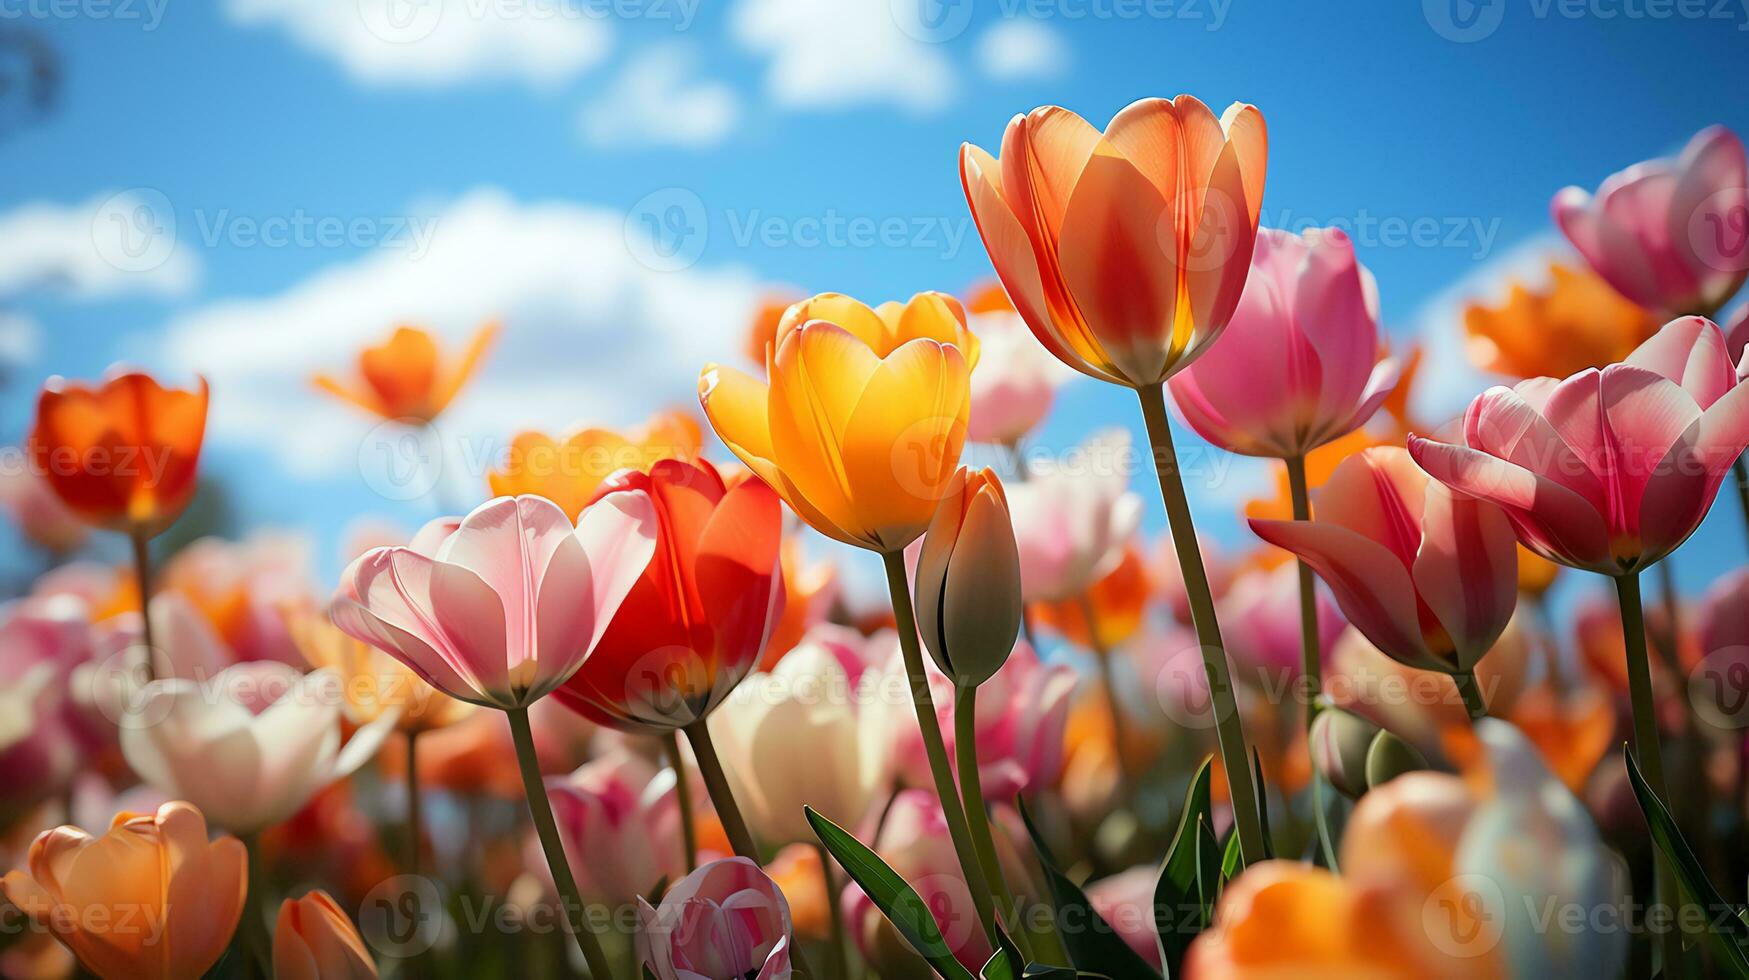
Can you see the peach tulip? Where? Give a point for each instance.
(405, 378)
(621, 823)
(500, 607)
(122, 455)
(1073, 520)
(152, 899)
(570, 469)
(860, 445)
(1430, 576)
(727, 919)
(251, 746)
(314, 940)
(887, 327)
(968, 580)
(1608, 470)
(1125, 252)
(372, 682)
(1016, 380)
(1671, 235)
(240, 587)
(1298, 363)
(696, 621)
(803, 736)
(38, 514)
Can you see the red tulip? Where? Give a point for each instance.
(697, 621)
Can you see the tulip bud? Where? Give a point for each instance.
(313, 938)
(968, 580)
(1389, 757)
(1339, 749)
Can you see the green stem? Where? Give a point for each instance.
(965, 747)
(933, 744)
(1311, 657)
(143, 576)
(413, 822)
(839, 964)
(1646, 748)
(716, 783)
(1229, 728)
(1474, 703)
(683, 795)
(255, 945)
(547, 829)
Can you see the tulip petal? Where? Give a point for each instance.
(739, 582)
(1467, 570)
(1370, 584)
(820, 372)
(900, 460)
(1690, 351)
(1621, 422)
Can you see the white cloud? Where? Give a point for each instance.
(589, 334)
(831, 54)
(656, 102)
(20, 339)
(440, 42)
(111, 245)
(1013, 49)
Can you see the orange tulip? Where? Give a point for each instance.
(762, 327)
(861, 446)
(932, 315)
(1118, 602)
(1124, 251)
(314, 940)
(1575, 322)
(122, 455)
(404, 378)
(372, 682)
(808, 591)
(569, 470)
(150, 900)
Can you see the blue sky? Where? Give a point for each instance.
(334, 166)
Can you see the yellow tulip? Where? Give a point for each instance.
(931, 315)
(860, 445)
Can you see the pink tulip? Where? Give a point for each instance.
(1261, 618)
(500, 607)
(727, 919)
(1430, 576)
(620, 820)
(1073, 519)
(1608, 470)
(1298, 363)
(1671, 235)
(1724, 616)
(38, 513)
(1126, 901)
(914, 842)
(1015, 380)
(1735, 324)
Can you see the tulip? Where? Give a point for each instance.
(1263, 608)
(886, 328)
(1430, 576)
(1015, 380)
(151, 899)
(314, 940)
(1576, 321)
(373, 683)
(1109, 613)
(1125, 252)
(762, 325)
(1668, 234)
(250, 747)
(38, 514)
(1126, 901)
(1296, 366)
(914, 842)
(621, 824)
(968, 580)
(500, 607)
(1339, 742)
(241, 587)
(1072, 522)
(1612, 503)
(405, 378)
(801, 736)
(47, 652)
(872, 475)
(727, 919)
(569, 471)
(696, 621)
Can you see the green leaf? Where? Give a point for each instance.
(898, 901)
(1208, 870)
(1728, 932)
(1005, 963)
(1326, 837)
(1176, 890)
(1230, 858)
(1261, 788)
(1044, 971)
(1093, 945)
